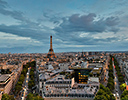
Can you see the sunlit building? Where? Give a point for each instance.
(5, 83)
(59, 88)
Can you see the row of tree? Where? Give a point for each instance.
(120, 76)
(104, 93)
(123, 87)
(31, 82)
(18, 86)
(31, 96)
(110, 83)
(124, 95)
(7, 97)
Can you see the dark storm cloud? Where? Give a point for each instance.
(5, 11)
(111, 21)
(68, 31)
(18, 15)
(75, 39)
(3, 4)
(71, 28)
(74, 23)
(51, 16)
(87, 23)
(26, 27)
(25, 31)
(92, 40)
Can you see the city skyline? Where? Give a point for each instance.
(91, 25)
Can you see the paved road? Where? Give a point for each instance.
(25, 88)
(117, 89)
(104, 77)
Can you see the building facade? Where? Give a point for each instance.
(66, 89)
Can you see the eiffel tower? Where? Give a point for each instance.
(51, 53)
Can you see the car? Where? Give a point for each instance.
(117, 96)
(22, 98)
(116, 90)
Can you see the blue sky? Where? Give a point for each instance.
(76, 25)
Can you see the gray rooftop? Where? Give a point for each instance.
(4, 77)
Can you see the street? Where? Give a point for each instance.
(104, 76)
(117, 86)
(25, 87)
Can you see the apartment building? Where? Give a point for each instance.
(126, 69)
(5, 83)
(66, 89)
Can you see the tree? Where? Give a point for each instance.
(18, 88)
(100, 92)
(112, 97)
(107, 96)
(100, 97)
(104, 94)
(38, 98)
(11, 97)
(106, 89)
(102, 86)
(7, 97)
(124, 94)
(24, 71)
(110, 86)
(21, 79)
(90, 74)
(125, 97)
(111, 75)
(123, 86)
(31, 96)
(121, 79)
(19, 83)
(120, 76)
(31, 84)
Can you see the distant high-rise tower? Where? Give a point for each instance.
(51, 53)
(82, 55)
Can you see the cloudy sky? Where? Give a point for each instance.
(76, 25)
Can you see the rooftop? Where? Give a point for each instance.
(4, 77)
(59, 78)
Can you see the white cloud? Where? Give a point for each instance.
(80, 45)
(103, 35)
(84, 34)
(10, 40)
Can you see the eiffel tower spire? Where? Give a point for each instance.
(51, 53)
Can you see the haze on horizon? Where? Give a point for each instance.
(76, 25)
